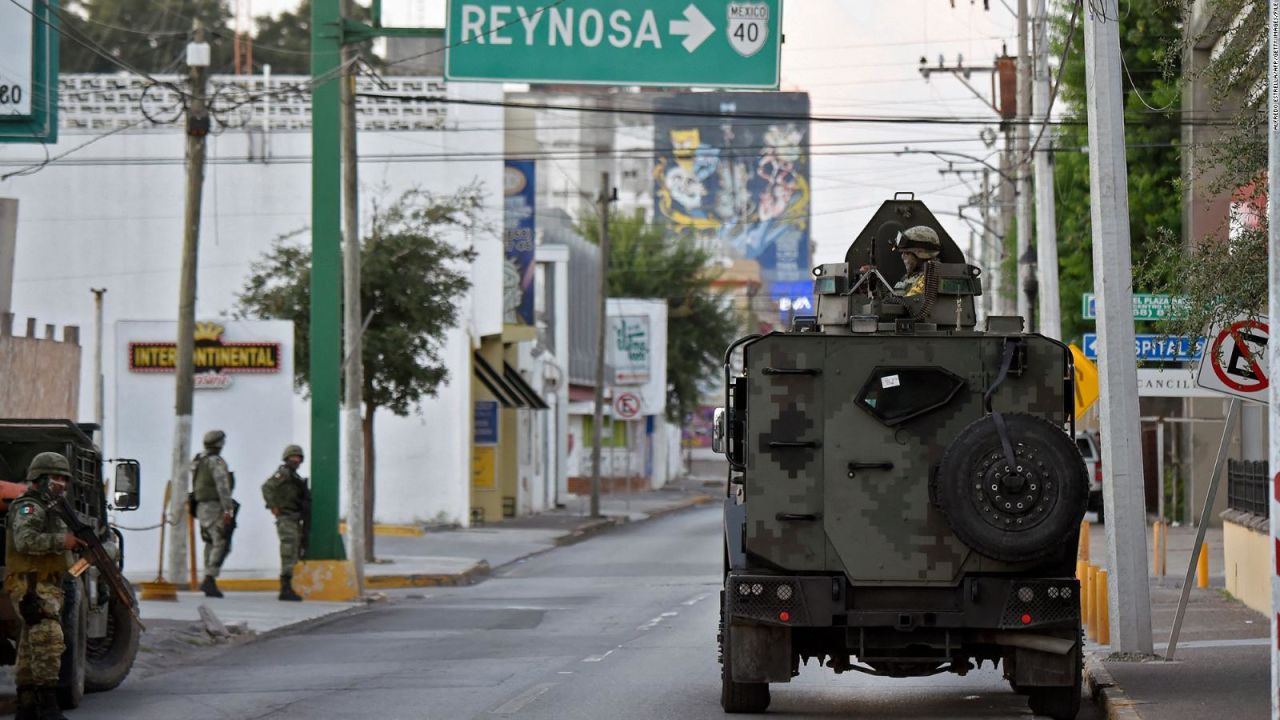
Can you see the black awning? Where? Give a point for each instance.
(531, 396)
(484, 372)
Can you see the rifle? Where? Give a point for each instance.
(98, 557)
(306, 522)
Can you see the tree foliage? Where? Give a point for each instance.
(411, 279)
(147, 35)
(1149, 33)
(284, 40)
(701, 322)
(1232, 162)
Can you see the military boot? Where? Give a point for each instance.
(28, 707)
(286, 589)
(210, 587)
(49, 710)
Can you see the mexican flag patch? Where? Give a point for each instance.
(25, 510)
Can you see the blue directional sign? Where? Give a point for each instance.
(1155, 348)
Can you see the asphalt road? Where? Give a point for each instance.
(621, 626)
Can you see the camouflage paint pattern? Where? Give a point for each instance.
(289, 529)
(879, 526)
(213, 531)
(40, 646)
(783, 408)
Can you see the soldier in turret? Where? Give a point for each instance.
(289, 499)
(38, 549)
(918, 245)
(215, 509)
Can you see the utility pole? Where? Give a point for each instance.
(197, 129)
(1130, 596)
(1273, 314)
(1004, 221)
(990, 258)
(359, 494)
(607, 196)
(1021, 172)
(1046, 212)
(97, 364)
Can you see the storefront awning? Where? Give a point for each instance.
(508, 388)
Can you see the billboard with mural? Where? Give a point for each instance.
(732, 171)
(518, 220)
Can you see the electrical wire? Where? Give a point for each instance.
(37, 167)
(1062, 68)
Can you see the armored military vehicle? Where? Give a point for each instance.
(904, 493)
(100, 629)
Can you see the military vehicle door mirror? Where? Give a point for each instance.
(717, 431)
(895, 395)
(128, 485)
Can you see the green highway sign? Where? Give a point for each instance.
(28, 71)
(1145, 306)
(702, 43)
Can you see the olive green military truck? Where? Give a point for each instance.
(904, 494)
(101, 631)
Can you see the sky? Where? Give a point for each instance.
(858, 57)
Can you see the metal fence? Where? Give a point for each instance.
(1247, 487)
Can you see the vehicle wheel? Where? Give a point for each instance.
(75, 621)
(110, 658)
(1059, 703)
(1019, 512)
(737, 697)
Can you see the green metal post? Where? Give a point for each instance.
(326, 277)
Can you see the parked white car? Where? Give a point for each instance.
(1087, 441)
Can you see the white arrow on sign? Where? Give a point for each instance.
(695, 27)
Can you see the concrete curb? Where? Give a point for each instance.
(1104, 691)
(477, 572)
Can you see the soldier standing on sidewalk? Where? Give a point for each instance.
(37, 556)
(289, 499)
(214, 507)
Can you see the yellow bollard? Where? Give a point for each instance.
(1082, 549)
(1082, 572)
(1159, 546)
(1091, 604)
(1104, 610)
(1202, 567)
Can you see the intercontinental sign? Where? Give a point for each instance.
(215, 358)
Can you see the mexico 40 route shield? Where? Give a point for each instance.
(703, 43)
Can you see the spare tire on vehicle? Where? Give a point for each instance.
(1019, 511)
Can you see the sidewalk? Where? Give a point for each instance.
(1222, 662)
(419, 557)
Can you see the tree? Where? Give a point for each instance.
(1149, 30)
(284, 40)
(700, 321)
(1233, 162)
(146, 35)
(411, 278)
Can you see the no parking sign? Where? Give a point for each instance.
(1234, 361)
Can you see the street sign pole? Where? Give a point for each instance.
(1273, 311)
(1129, 593)
(326, 276)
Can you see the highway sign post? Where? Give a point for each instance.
(702, 43)
(1234, 361)
(28, 71)
(1146, 306)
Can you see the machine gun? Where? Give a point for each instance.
(98, 557)
(306, 522)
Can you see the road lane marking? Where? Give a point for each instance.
(517, 703)
(696, 599)
(598, 658)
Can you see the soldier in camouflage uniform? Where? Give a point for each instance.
(215, 509)
(918, 245)
(37, 555)
(289, 499)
